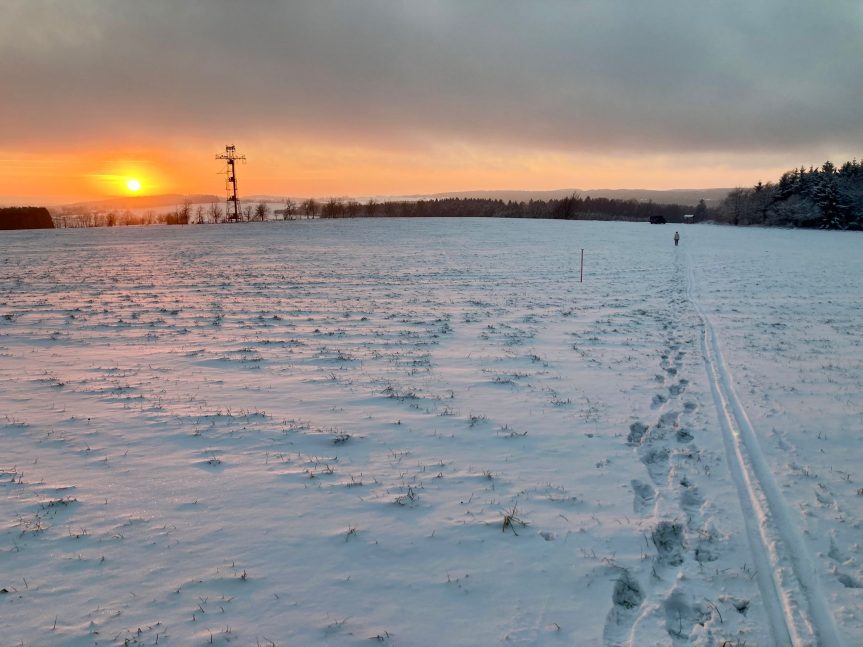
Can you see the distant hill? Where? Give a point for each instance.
(686, 197)
(146, 201)
(25, 218)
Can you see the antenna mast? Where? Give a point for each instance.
(231, 157)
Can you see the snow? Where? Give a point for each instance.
(426, 432)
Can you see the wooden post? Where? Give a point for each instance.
(581, 275)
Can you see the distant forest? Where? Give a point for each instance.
(573, 207)
(823, 198)
(25, 218)
(570, 208)
(828, 197)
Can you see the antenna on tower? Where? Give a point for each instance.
(231, 157)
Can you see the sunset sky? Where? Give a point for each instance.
(379, 97)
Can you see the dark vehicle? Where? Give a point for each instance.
(657, 220)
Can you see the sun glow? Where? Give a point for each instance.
(133, 185)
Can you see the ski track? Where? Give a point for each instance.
(787, 577)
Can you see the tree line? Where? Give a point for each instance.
(828, 197)
(25, 218)
(573, 207)
(184, 214)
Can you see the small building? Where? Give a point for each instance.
(688, 219)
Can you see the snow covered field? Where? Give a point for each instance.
(428, 432)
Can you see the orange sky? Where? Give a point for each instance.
(307, 170)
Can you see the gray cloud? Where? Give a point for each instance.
(623, 76)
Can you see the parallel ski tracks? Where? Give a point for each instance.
(787, 577)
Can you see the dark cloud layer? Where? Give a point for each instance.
(625, 76)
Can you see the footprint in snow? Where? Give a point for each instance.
(643, 496)
(667, 536)
(658, 400)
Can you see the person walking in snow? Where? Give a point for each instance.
(676, 238)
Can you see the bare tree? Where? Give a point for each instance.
(261, 211)
(310, 207)
(332, 209)
(215, 213)
(735, 205)
(352, 208)
(183, 213)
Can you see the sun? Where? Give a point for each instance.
(133, 185)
